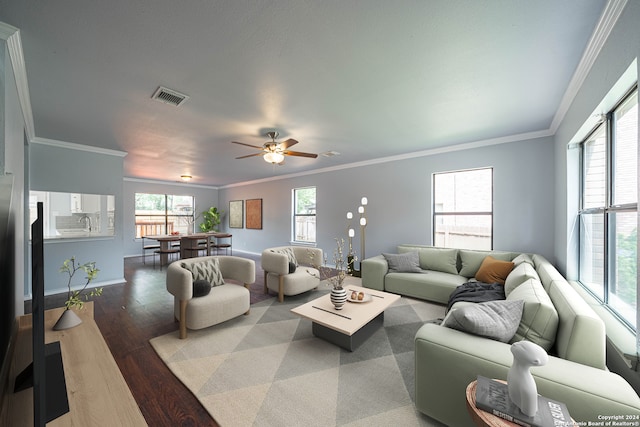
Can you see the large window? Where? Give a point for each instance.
(163, 214)
(463, 209)
(304, 215)
(609, 209)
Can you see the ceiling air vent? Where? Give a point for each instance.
(330, 153)
(169, 96)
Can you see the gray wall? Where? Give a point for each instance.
(399, 194)
(55, 168)
(619, 51)
(206, 197)
(12, 147)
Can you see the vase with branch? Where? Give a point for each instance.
(77, 297)
(334, 276)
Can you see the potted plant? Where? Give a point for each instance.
(76, 298)
(211, 219)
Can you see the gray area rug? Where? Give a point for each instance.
(267, 369)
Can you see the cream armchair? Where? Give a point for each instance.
(222, 303)
(275, 263)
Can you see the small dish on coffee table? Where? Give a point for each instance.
(366, 298)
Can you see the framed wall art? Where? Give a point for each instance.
(236, 214)
(254, 213)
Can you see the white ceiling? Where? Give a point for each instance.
(368, 79)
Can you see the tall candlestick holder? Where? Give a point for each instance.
(363, 226)
(351, 257)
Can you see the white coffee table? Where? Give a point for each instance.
(351, 326)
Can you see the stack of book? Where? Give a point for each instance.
(493, 396)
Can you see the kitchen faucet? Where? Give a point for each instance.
(87, 221)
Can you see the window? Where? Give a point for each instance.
(609, 208)
(74, 215)
(304, 215)
(163, 214)
(463, 209)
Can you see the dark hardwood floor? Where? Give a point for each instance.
(128, 316)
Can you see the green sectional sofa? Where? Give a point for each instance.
(554, 316)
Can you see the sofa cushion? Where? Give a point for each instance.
(471, 260)
(498, 320)
(437, 259)
(520, 274)
(208, 270)
(431, 285)
(494, 270)
(539, 322)
(201, 288)
(407, 262)
(523, 258)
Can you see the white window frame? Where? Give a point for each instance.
(299, 219)
(608, 210)
(441, 212)
(164, 218)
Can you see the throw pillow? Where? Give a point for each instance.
(291, 256)
(201, 288)
(470, 260)
(407, 262)
(292, 267)
(494, 271)
(208, 270)
(498, 320)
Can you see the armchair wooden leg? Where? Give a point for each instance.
(183, 319)
(280, 288)
(246, 285)
(265, 282)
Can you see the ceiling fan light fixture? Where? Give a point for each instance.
(273, 157)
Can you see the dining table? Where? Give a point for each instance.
(166, 246)
(192, 244)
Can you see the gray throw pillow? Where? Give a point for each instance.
(407, 262)
(498, 320)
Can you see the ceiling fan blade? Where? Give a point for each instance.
(288, 143)
(299, 154)
(251, 155)
(248, 145)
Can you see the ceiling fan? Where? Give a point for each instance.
(274, 152)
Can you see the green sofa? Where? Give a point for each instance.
(555, 316)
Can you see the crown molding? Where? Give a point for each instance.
(164, 182)
(608, 20)
(11, 35)
(79, 147)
